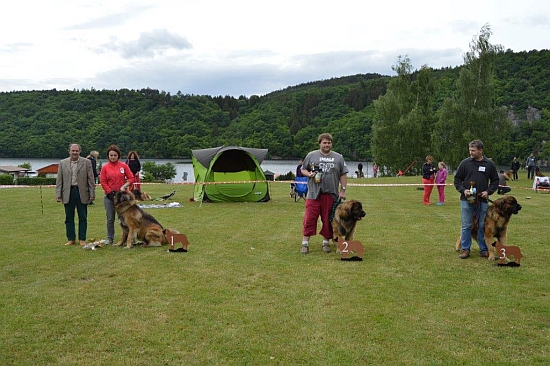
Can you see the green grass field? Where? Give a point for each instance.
(244, 295)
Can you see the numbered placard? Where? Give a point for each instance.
(174, 238)
(506, 251)
(350, 249)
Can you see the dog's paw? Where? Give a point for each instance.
(118, 244)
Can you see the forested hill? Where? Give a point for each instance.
(41, 124)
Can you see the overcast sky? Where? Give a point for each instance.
(241, 47)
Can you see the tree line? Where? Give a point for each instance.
(501, 97)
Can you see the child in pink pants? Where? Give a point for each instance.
(440, 178)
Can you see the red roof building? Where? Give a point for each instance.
(48, 170)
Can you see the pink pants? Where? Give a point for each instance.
(315, 208)
(441, 191)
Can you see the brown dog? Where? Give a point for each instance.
(141, 195)
(496, 222)
(345, 219)
(137, 224)
(505, 251)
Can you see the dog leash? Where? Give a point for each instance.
(333, 210)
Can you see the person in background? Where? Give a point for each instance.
(530, 165)
(75, 187)
(114, 176)
(375, 170)
(479, 173)
(360, 171)
(135, 166)
(428, 177)
(440, 178)
(515, 168)
(502, 184)
(93, 159)
(326, 170)
(299, 168)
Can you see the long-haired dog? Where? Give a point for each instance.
(136, 224)
(141, 195)
(345, 219)
(496, 222)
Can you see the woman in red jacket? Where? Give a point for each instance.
(114, 175)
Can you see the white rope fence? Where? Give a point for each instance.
(264, 181)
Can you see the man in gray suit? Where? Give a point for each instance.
(75, 187)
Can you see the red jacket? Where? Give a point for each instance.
(114, 175)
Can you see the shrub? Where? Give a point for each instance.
(6, 179)
(158, 173)
(35, 181)
(287, 176)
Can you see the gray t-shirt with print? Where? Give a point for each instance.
(332, 166)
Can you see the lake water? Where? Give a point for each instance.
(185, 166)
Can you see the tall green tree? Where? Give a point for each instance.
(472, 113)
(404, 118)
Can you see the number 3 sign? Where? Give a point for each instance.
(507, 250)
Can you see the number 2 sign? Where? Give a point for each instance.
(346, 247)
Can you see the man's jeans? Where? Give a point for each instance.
(467, 210)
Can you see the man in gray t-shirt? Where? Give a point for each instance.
(326, 170)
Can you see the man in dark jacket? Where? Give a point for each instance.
(476, 178)
(530, 165)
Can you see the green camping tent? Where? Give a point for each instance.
(230, 174)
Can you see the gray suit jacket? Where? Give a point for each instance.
(85, 180)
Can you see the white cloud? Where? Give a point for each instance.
(110, 20)
(149, 44)
(243, 47)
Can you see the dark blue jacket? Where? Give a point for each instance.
(483, 173)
